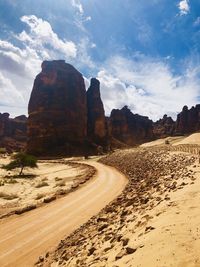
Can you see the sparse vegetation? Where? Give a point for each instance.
(8, 196)
(2, 150)
(58, 179)
(167, 142)
(41, 184)
(10, 181)
(20, 161)
(7, 181)
(61, 183)
(39, 196)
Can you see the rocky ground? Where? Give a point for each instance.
(118, 233)
(51, 180)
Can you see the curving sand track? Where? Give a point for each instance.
(24, 238)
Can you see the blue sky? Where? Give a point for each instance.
(146, 54)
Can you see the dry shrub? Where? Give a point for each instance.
(8, 196)
(41, 184)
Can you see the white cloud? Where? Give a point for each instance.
(83, 56)
(80, 18)
(18, 70)
(184, 7)
(197, 22)
(77, 4)
(9, 95)
(19, 64)
(147, 86)
(41, 34)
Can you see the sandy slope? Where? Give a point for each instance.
(154, 223)
(51, 177)
(160, 142)
(175, 238)
(193, 139)
(26, 237)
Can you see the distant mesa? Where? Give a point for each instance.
(129, 128)
(65, 119)
(164, 127)
(13, 132)
(188, 121)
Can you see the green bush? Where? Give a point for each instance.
(21, 160)
(2, 150)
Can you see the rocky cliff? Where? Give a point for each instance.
(129, 128)
(164, 127)
(13, 132)
(188, 121)
(57, 122)
(64, 119)
(96, 120)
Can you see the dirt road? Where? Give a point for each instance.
(24, 238)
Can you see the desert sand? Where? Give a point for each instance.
(154, 222)
(193, 139)
(50, 179)
(23, 238)
(162, 141)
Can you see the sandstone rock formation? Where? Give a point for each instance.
(13, 132)
(188, 121)
(96, 120)
(164, 127)
(57, 122)
(129, 128)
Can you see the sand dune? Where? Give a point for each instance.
(162, 141)
(193, 139)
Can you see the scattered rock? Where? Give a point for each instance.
(125, 241)
(130, 250)
(120, 255)
(49, 199)
(25, 209)
(149, 228)
(91, 251)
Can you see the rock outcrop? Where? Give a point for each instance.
(57, 122)
(129, 128)
(96, 120)
(188, 121)
(164, 127)
(13, 132)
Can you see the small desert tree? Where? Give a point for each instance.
(21, 160)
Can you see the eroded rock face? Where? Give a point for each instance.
(13, 132)
(188, 121)
(96, 120)
(164, 127)
(57, 110)
(130, 128)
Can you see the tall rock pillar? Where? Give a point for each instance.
(96, 124)
(57, 110)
